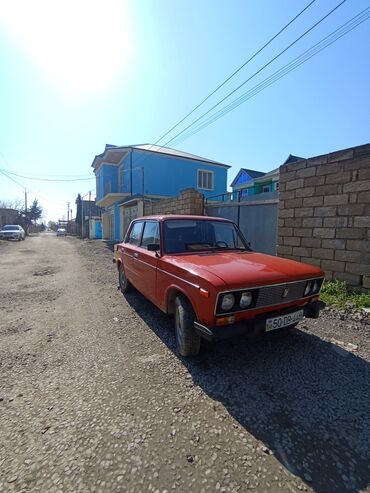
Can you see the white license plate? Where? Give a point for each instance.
(283, 320)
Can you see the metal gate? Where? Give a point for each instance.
(127, 214)
(257, 221)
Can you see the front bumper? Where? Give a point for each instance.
(13, 236)
(254, 325)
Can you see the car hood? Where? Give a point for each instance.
(9, 231)
(244, 269)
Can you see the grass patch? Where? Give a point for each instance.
(338, 294)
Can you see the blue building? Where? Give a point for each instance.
(128, 175)
(250, 182)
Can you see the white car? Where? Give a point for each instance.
(12, 232)
(61, 232)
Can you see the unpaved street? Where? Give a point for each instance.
(94, 398)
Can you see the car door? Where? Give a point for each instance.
(146, 261)
(130, 253)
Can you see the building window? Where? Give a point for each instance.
(277, 186)
(205, 179)
(266, 188)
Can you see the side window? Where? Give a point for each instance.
(150, 234)
(135, 233)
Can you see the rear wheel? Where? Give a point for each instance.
(188, 341)
(124, 284)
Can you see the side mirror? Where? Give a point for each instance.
(153, 247)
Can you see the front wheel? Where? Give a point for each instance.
(124, 283)
(188, 341)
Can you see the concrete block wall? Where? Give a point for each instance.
(190, 201)
(324, 214)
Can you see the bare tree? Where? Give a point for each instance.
(11, 204)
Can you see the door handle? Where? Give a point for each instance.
(136, 255)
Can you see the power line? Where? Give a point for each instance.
(292, 65)
(230, 76)
(237, 70)
(48, 179)
(29, 190)
(258, 71)
(42, 175)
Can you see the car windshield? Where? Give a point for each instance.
(10, 228)
(188, 235)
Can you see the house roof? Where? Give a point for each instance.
(251, 172)
(292, 159)
(155, 149)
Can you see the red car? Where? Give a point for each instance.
(201, 270)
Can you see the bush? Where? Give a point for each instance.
(337, 293)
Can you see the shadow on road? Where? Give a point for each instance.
(307, 400)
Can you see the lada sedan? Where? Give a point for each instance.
(202, 271)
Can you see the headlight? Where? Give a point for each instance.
(245, 299)
(307, 289)
(315, 287)
(228, 301)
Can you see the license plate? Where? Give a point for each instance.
(283, 320)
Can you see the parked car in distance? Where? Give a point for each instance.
(61, 232)
(12, 232)
(201, 270)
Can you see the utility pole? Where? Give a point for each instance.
(89, 212)
(82, 218)
(68, 204)
(25, 210)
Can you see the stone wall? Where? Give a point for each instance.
(324, 214)
(190, 201)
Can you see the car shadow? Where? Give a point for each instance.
(307, 400)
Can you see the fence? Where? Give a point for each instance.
(257, 218)
(324, 214)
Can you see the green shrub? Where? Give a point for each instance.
(337, 293)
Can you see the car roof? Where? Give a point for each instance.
(12, 226)
(165, 217)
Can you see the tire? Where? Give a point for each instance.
(187, 340)
(124, 283)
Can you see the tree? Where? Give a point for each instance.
(31, 215)
(53, 225)
(11, 204)
(35, 211)
(78, 209)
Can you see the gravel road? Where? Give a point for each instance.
(93, 397)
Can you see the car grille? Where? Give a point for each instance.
(282, 293)
(265, 296)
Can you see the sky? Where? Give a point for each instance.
(78, 74)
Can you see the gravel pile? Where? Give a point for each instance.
(93, 396)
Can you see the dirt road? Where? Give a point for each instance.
(94, 398)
